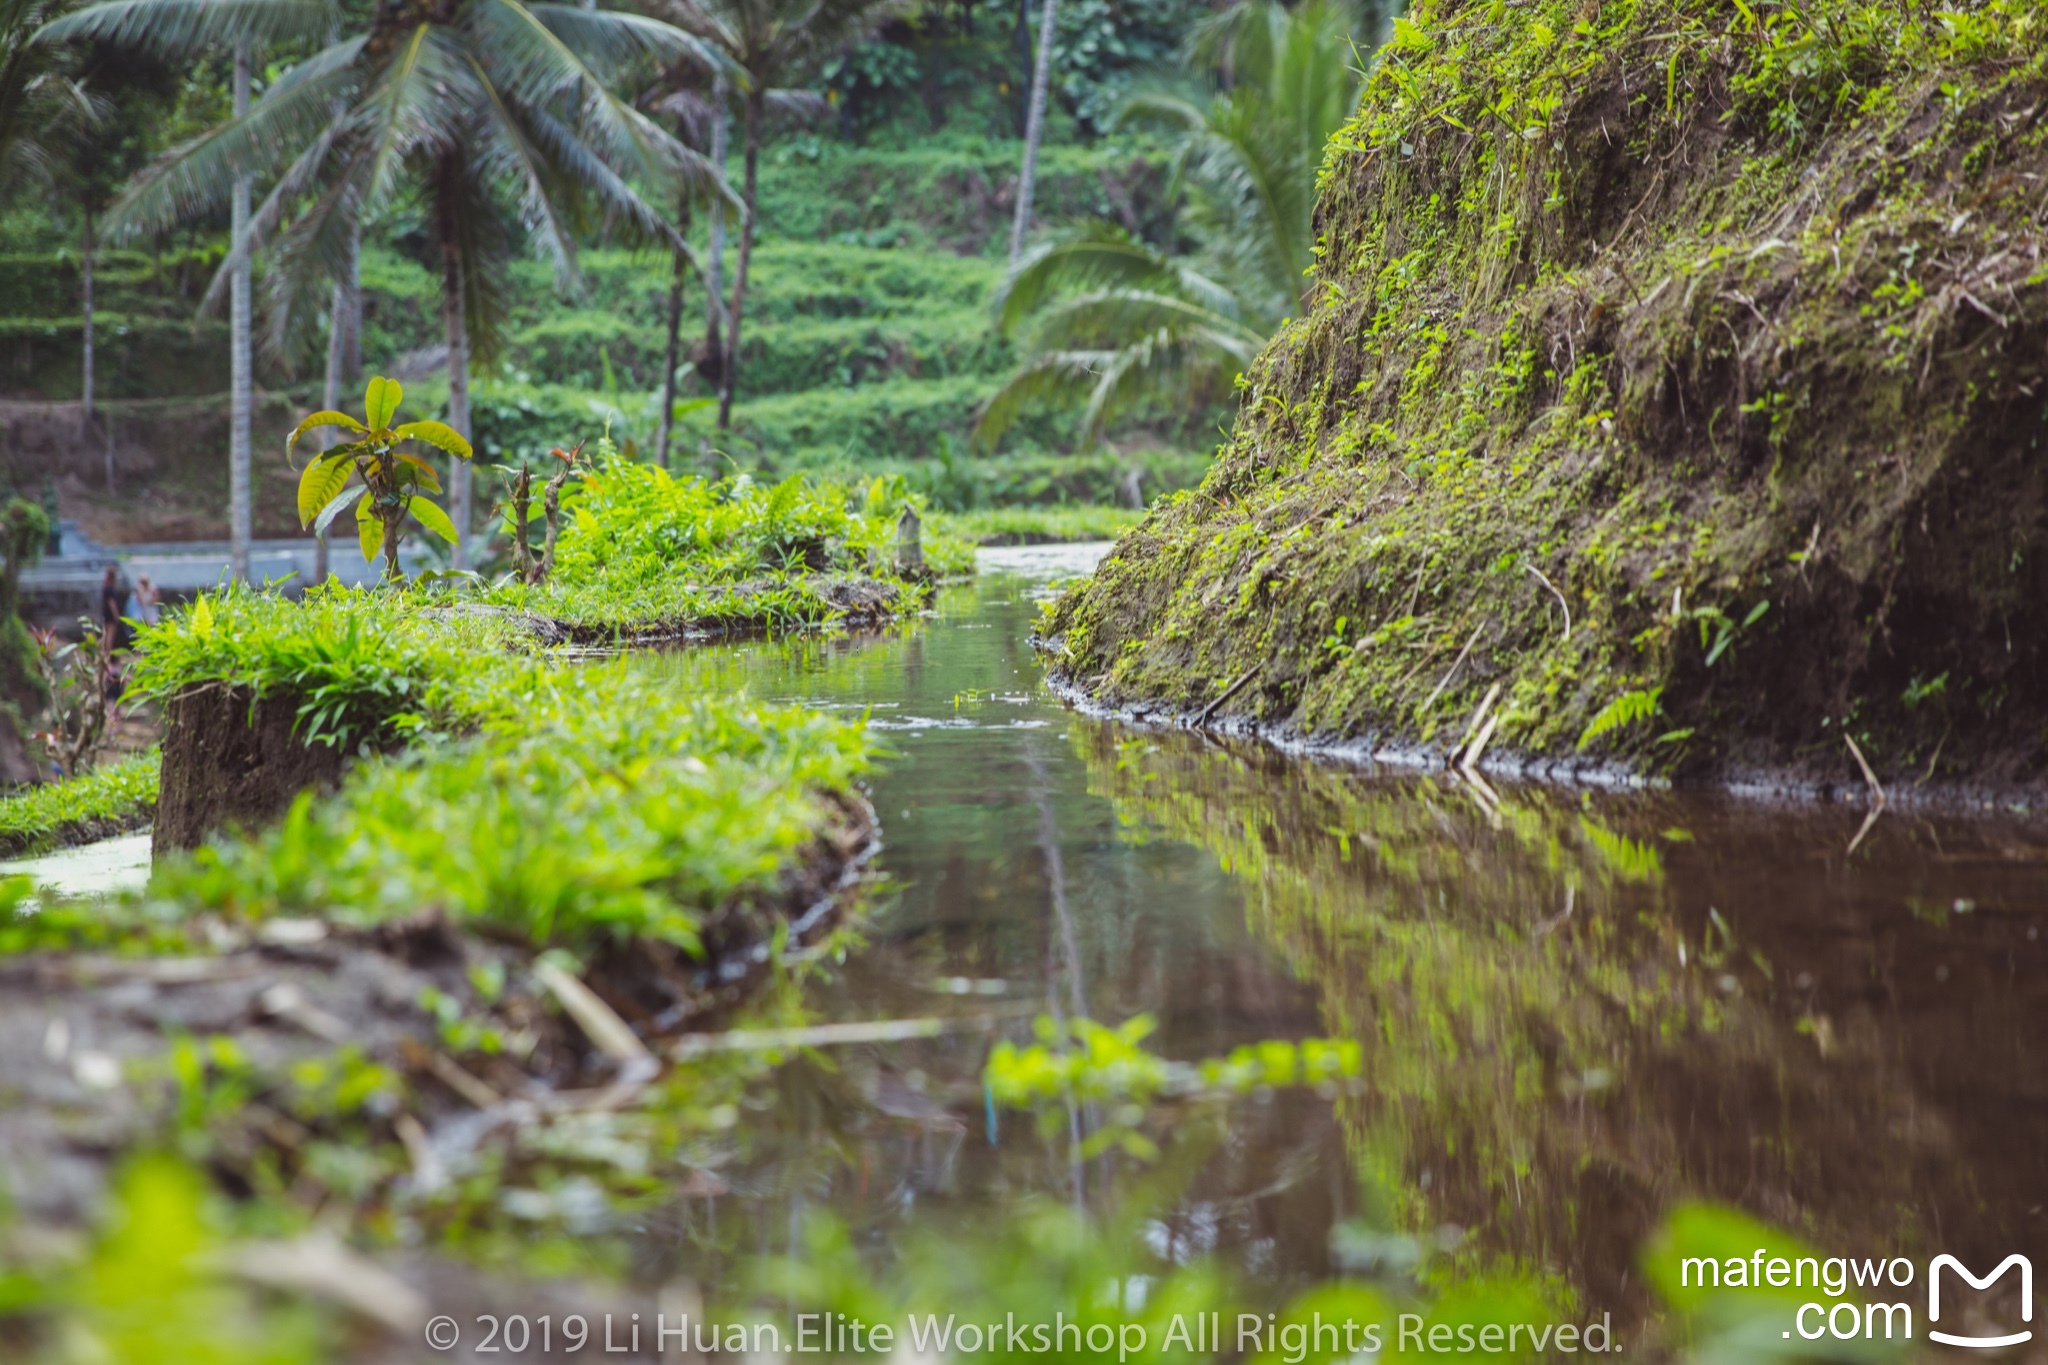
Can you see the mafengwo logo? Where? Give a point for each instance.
(1939, 1263)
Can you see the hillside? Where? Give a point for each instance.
(869, 345)
(1719, 329)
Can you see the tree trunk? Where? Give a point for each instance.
(344, 344)
(458, 352)
(242, 396)
(86, 358)
(729, 380)
(1020, 39)
(714, 257)
(1034, 127)
(675, 338)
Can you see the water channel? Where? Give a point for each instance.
(1579, 1009)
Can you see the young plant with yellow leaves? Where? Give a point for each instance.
(392, 479)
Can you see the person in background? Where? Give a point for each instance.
(112, 636)
(110, 606)
(143, 603)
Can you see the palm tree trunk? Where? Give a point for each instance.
(714, 257)
(672, 363)
(675, 338)
(729, 380)
(344, 323)
(241, 399)
(1034, 127)
(86, 357)
(458, 352)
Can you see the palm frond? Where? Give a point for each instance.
(413, 104)
(1100, 319)
(1099, 254)
(197, 177)
(183, 27)
(1055, 379)
(616, 38)
(314, 249)
(297, 180)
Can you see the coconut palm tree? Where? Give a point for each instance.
(768, 42)
(41, 100)
(494, 111)
(1114, 323)
(48, 112)
(1034, 125)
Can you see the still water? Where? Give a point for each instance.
(1578, 1010)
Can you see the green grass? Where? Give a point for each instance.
(641, 553)
(1038, 525)
(591, 804)
(571, 804)
(114, 797)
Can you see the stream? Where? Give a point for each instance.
(1578, 1010)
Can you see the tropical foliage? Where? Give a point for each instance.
(41, 98)
(1114, 323)
(392, 479)
(769, 43)
(468, 106)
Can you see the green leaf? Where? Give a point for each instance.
(322, 482)
(1626, 709)
(380, 401)
(333, 508)
(432, 517)
(202, 619)
(436, 434)
(369, 531)
(323, 418)
(428, 475)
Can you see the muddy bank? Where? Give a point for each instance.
(474, 1042)
(76, 832)
(230, 758)
(1656, 407)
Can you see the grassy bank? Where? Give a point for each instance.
(1663, 372)
(534, 868)
(109, 800)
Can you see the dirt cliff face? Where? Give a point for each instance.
(233, 760)
(1721, 328)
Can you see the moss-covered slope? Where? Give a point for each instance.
(1724, 325)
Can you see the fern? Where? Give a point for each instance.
(1626, 709)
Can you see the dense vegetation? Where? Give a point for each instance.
(1665, 373)
(869, 343)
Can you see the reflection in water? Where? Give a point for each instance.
(1577, 1009)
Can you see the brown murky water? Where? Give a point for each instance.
(1577, 1009)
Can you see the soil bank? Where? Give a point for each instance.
(1673, 375)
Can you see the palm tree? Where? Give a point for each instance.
(768, 41)
(1034, 126)
(472, 103)
(40, 99)
(1115, 322)
(47, 115)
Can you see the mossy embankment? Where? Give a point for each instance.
(1721, 328)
